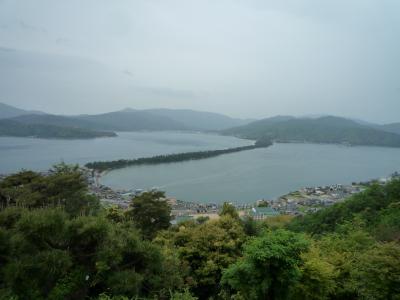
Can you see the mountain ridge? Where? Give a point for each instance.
(200, 120)
(129, 119)
(281, 128)
(9, 111)
(9, 127)
(328, 129)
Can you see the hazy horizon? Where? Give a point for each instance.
(311, 116)
(244, 59)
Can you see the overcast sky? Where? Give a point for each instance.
(244, 58)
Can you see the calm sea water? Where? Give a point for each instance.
(247, 176)
(242, 177)
(41, 154)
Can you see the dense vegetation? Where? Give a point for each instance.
(14, 128)
(321, 130)
(171, 158)
(378, 209)
(57, 242)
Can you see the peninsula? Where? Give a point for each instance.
(171, 158)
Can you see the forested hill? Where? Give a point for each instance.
(8, 111)
(113, 121)
(199, 120)
(320, 130)
(14, 128)
(84, 126)
(129, 119)
(393, 127)
(378, 209)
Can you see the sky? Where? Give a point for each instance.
(243, 58)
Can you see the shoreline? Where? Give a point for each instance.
(301, 201)
(100, 166)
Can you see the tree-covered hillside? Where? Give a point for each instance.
(128, 119)
(321, 130)
(114, 121)
(199, 120)
(378, 209)
(8, 111)
(57, 242)
(133, 121)
(14, 128)
(56, 120)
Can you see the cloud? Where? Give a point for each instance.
(247, 58)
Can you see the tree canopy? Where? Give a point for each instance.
(150, 212)
(58, 242)
(65, 186)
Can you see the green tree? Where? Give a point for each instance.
(318, 277)
(250, 226)
(115, 214)
(11, 186)
(269, 268)
(46, 254)
(185, 295)
(150, 212)
(202, 219)
(229, 210)
(387, 227)
(376, 275)
(207, 249)
(342, 250)
(64, 187)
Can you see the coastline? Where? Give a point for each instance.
(304, 200)
(101, 166)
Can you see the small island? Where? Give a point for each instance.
(171, 158)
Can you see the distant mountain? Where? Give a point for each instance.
(114, 121)
(136, 120)
(8, 111)
(10, 127)
(327, 129)
(393, 127)
(131, 120)
(320, 130)
(57, 120)
(199, 120)
(366, 123)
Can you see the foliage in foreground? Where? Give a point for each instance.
(57, 243)
(65, 187)
(45, 254)
(378, 207)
